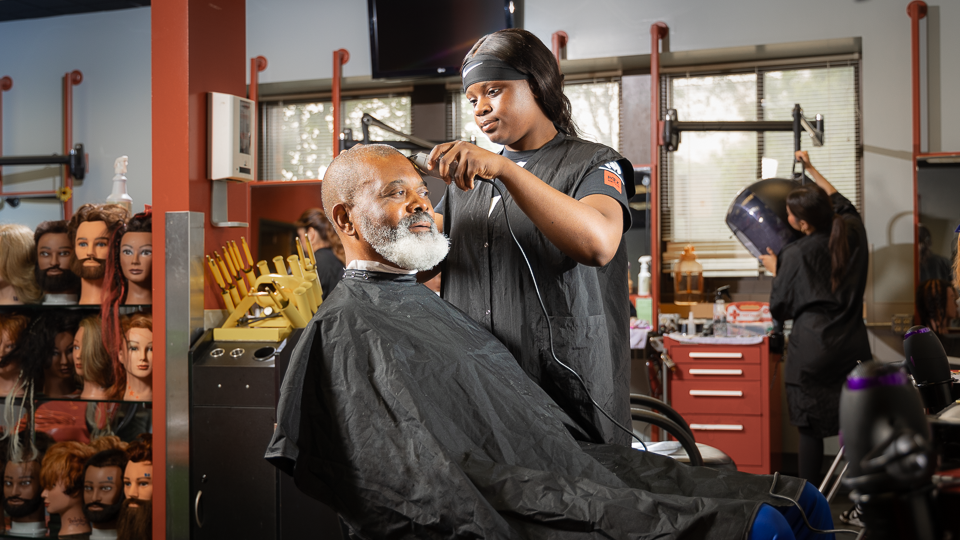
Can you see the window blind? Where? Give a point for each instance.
(298, 137)
(702, 178)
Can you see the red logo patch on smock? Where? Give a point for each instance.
(611, 179)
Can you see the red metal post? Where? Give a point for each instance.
(6, 83)
(69, 81)
(658, 31)
(560, 39)
(916, 10)
(340, 57)
(257, 65)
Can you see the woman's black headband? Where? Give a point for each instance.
(485, 67)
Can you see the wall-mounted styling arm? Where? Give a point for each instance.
(410, 142)
(672, 127)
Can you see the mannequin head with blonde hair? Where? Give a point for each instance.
(18, 256)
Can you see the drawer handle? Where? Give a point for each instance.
(717, 393)
(716, 371)
(717, 427)
(716, 355)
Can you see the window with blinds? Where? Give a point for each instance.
(298, 137)
(702, 178)
(595, 108)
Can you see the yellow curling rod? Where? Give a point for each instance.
(295, 267)
(312, 296)
(306, 262)
(247, 268)
(303, 303)
(279, 265)
(246, 250)
(290, 309)
(313, 258)
(227, 301)
(228, 279)
(229, 259)
(263, 267)
(317, 288)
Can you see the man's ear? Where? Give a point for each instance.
(343, 220)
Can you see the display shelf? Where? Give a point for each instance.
(44, 399)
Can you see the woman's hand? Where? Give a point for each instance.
(770, 261)
(459, 162)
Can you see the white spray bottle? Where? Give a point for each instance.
(119, 194)
(643, 278)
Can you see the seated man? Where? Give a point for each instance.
(411, 420)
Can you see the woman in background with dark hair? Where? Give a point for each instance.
(314, 226)
(819, 284)
(566, 200)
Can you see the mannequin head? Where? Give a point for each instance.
(136, 355)
(136, 249)
(90, 358)
(18, 257)
(90, 230)
(45, 352)
(103, 488)
(136, 516)
(22, 490)
(11, 329)
(61, 476)
(54, 252)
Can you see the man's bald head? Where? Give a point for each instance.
(350, 172)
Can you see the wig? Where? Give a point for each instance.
(141, 448)
(18, 257)
(25, 447)
(108, 442)
(525, 53)
(113, 457)
(314, 218)
(12, 326)
(96, 362)
(111, 214)
(64, 461)
(115, 290)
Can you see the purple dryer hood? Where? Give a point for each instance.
(758, 216)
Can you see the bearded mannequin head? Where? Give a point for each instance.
(54, 253)
(103, 488)
(22, 491)
(90, 230)
(136, 516)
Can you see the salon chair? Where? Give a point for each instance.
(666, 418)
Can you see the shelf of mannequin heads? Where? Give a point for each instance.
(76, 367)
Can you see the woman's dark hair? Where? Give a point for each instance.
(810, 203)
(34, 350)
(314, 218)
(528, 55)
(932, 300)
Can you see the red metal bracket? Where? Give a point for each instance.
(658, 32)
(559, 40)
(916, 10)
(6, 83)
(257, 65)
(340, 57)
(69, 81)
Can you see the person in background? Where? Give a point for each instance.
(18, 257)
(937, 305)
(819, 283)
(314, 226)
(932, 265)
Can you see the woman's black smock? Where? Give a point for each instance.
(485, 276)
(828, 336)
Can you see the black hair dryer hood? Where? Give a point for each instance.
(758, 216)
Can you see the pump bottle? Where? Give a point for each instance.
(119, 194)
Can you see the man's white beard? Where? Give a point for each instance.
(406, 249)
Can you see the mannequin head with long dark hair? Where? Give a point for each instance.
(527, 54)
(936, 304)
(810, 211)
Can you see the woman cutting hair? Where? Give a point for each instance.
(566, 200)
(819, 284)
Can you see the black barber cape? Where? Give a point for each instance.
(828, 336)
(486, 276)
(412, 421)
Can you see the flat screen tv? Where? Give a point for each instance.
(429, 38)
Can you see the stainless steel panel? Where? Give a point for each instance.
(184, 324)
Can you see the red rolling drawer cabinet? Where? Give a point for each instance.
(730, 396)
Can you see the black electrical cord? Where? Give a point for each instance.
(776, 476)
(547, 318)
